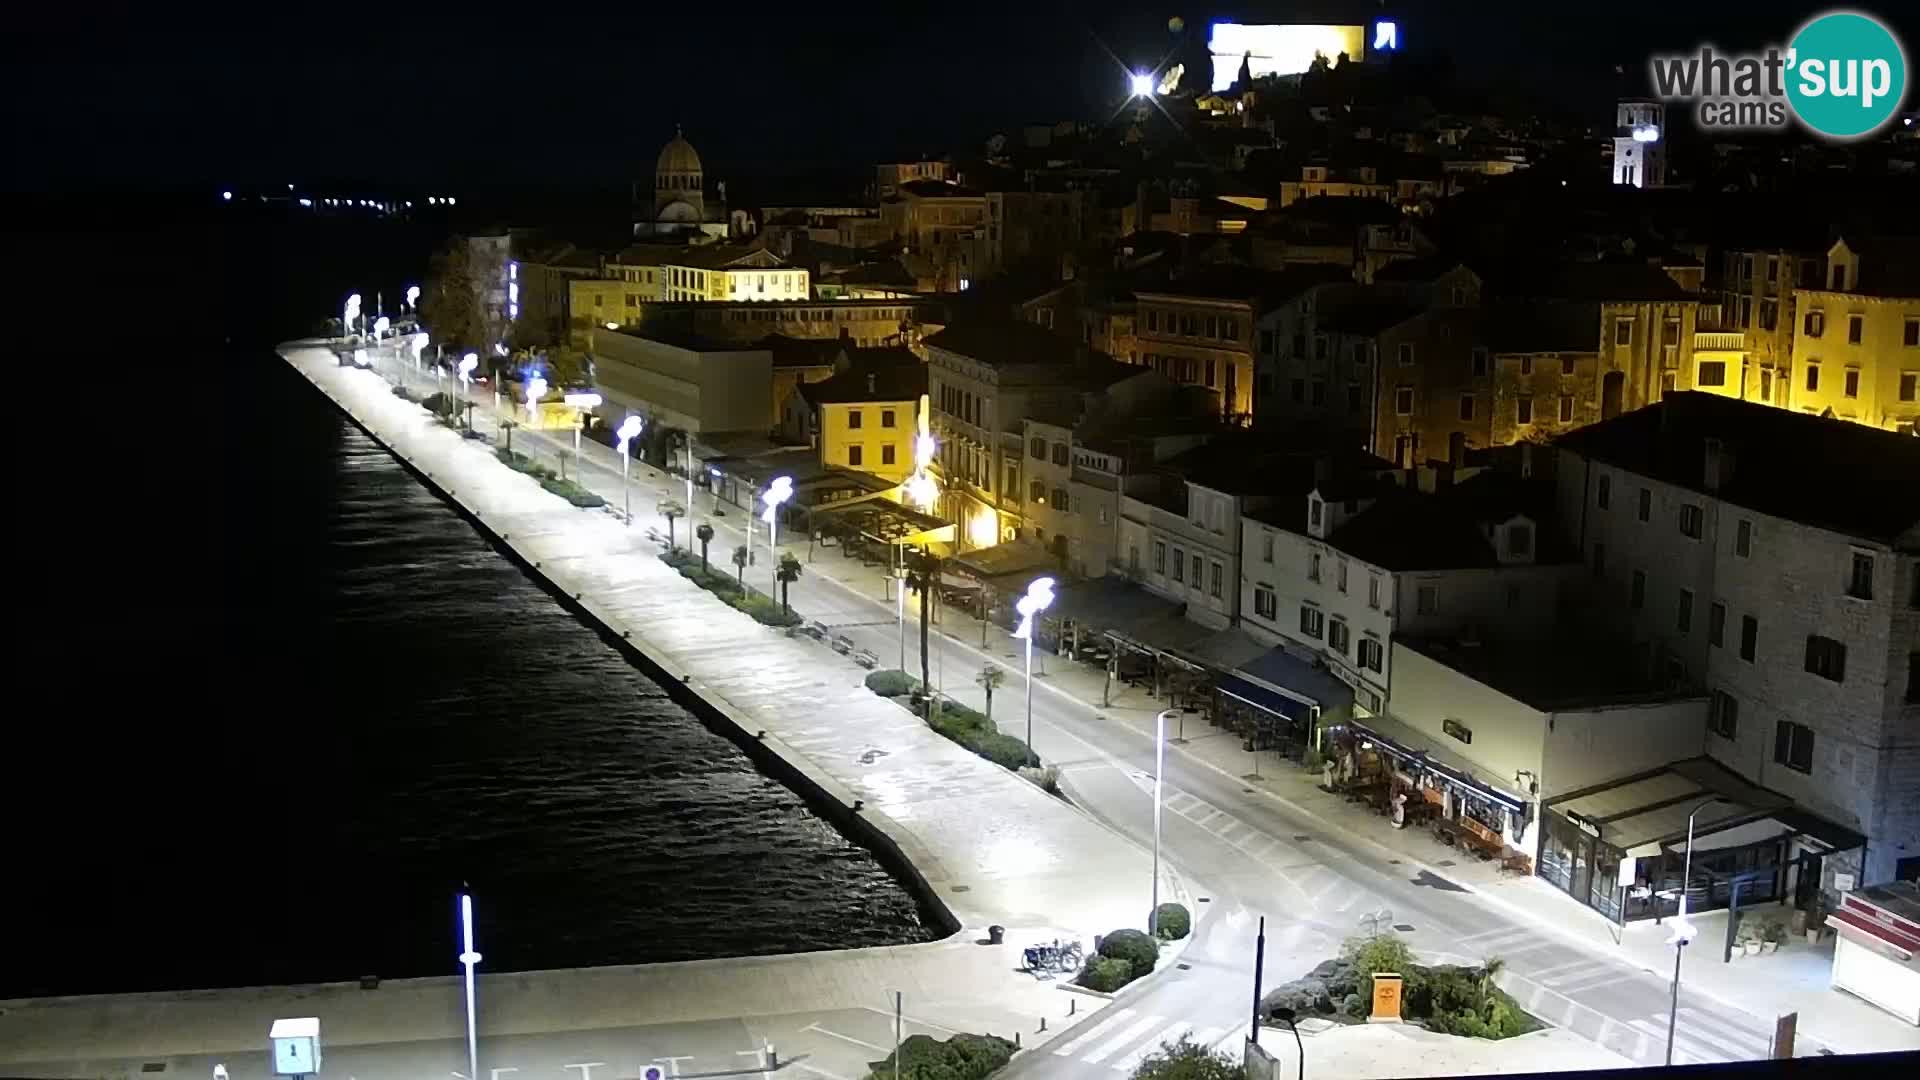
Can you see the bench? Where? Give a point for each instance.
(841, 644)
(866, 659)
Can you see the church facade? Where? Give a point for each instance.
(679, 207)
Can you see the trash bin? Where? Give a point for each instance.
(996, 935)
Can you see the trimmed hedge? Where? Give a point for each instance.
(763, 608)
(1133, 946)
(402, 393)
(1106, 974)
(975, 732)
(891, 682)
(566, 489)
(962, 1057)
(1171, 922)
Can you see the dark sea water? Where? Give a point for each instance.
(334, 702)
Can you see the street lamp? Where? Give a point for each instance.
(380, 327)
(469, 958)
(467, 364)
(687, 438)
(351, 313)
(413, 298)
(1039, 598)
(779, 491)
(419, 346)
(1141, 84)
(583, 403)
(1159, 761)
(628, 431)
(1682, 929)
(1286, 1016)
(536, 389)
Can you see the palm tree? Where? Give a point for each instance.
(786, 574)
(705, 533)
(670, 510)
(1490, 970)
(923, 577)
(989, 679)
(740, 561)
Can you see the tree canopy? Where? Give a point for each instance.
(1187, 1060)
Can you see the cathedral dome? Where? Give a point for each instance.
(678, 156)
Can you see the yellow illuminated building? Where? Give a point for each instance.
(867, 415)
(1856, 343)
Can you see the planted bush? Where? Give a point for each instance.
(1106, 974)
(572, 492)
(891, 683)
(973, 731)
(764, 609)
(1136, 948)
(1171, 922)
(962, 1057)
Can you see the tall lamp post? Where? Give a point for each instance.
(582, 404)
(629, 430)
(1039, 598)
(349, 314)
(1159, 763)
(1683, 930)
(467, 364)
(779, 491)
(687, 440)
(536, 389)
(468, 958)
(1286, 1016)
(413, 299)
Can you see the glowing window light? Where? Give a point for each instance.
(984, 529)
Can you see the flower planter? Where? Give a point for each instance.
(1752, 948)
(1767, 947)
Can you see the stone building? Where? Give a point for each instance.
(678, 204)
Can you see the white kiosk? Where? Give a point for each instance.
(296, 1046)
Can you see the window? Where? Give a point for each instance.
(1466, 406)
(1519, 541)
(853, 419)
(1526, 366)
(1313, 566)
(1637, 598)
(1690, 520)
(1159, 557)
(1566, 408)
(1340, 575)
(1480, 361)
(1646, 504)
(1062, 454)
(1623, 331)
(1743, 538)
(1216, 576)
(1403, 401)
(1037, 448)
(1716, 624)
(1712, 373)
(1814, 324)
(1371, 654)
(1312, 622)
(1856, 326)
(1860, 576)
(1910, 333)
(886, 417)
(1153, 320)
(1179, 565)
(1036, 491)
(1813, 375)
(1457, 730)
(1793, 746)
(1298, 389)
(1723, 714)
(1910, 384)
(854, 454)
(1373, 591)
(1264, 604)
(1523, 409)
(1357, 397)
(886, 454)
(1315, 508)
(1266, 548)
(1426, 600)
(1683, 620)
(1406, 352)
(1337, 636)
(1196, 571)
(1826, 658)
(1749, 637)
(1060, 500)
(1604, 496)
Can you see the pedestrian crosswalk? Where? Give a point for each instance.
(1124, 1038)
(1316, 888)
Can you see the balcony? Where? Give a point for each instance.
(1719, 341)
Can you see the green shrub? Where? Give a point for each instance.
(962, 1057)
(891, 683)
(1380, 952)
(403, 393)
(1354, 1006)
(763, 609)
(512, 459)
(1106, 974)
(437, 402)
(572, 492)
(1136, 948)
(1186, 1060)
(1171, 922)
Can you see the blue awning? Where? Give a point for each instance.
(1428, 759)
(1233, 686)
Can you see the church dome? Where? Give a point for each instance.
(678, 156)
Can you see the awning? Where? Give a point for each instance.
(1847, 920)
(1737, 836)
(1006, 568)
(1268, 700)
(1223, 650)
(1646, 812)
(1397, 740)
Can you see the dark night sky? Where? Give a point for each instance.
(271, 93)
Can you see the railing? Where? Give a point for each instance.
(1719, 341)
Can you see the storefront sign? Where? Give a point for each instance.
(1457, 729)
(1591, 828)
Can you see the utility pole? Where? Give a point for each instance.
(1259, 969)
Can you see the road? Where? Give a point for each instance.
(1248, 854)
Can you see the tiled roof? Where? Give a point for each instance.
(873, 375)
(1828, 473)
(1542, 326)
(1263, 289)
(997, 342)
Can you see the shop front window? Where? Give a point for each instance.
(1566, 856)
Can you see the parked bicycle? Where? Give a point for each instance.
(1047, 958)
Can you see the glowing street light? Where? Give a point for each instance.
(779, 491)
(921, 489)
(467, 364)
(413, 298)
(468, 958)
(1646, 133)
(380, 327)
(1683, 930)
(351, 313)
(1039, 598)
(536, 389)
(1141, 83)
(582, 404)
(628, 431)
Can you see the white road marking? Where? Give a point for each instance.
(1167, 1034)
(832, 1035)
(1125, 1038)
(1094, 1032)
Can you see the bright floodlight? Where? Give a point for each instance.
(1142, 84)
(921, 489)
(419, 344)
(227, 195)
(779, 491)
(467, 364)
(1646, 134)
(1038, 599)
(413, 296)
(583, 401)
(628, 431)
(380, 327)
(536, 389)
(613, 326)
